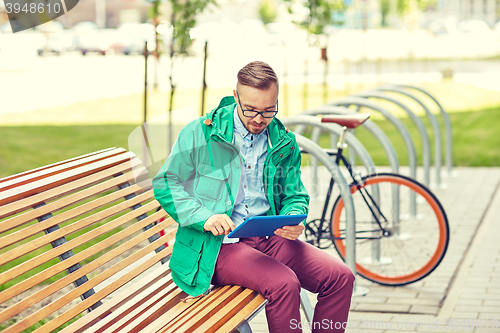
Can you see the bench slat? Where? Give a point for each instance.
(54, 193)
(46, 239)
(58, 234)
(171, 312)
(44, 184)
(109, 288)
(210, 323)
(53, 253)
(150, 308)
(254, 305)
(107, 309)
(75, 212)
(22, 174)
(65, 202)
(208, 307)
(164, 312)
(182, 312)
(176, 313)
(49, 290)
(60, 267)
(47, 172)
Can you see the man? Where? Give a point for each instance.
(236, 162)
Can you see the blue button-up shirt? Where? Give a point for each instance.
(251, 199)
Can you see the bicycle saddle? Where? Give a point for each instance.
(348, 120)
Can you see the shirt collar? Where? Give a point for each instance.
(241, 129)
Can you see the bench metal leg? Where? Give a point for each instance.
(306, 305)
(142, 217)
(243, 328)
(68, 254)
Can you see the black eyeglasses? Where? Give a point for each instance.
(253, 113)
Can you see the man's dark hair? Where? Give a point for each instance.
(257, 74)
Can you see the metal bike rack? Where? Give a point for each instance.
(335, 129)
(412, 155)
(426, 155)
(432, 119)
(350, 259)
(369, 125)
(447, 127)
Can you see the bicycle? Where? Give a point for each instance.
(391, 248)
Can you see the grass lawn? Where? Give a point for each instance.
(67, 131)
(26, 147)
(475, 141)
(455, 97)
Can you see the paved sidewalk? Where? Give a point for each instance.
(463, 293)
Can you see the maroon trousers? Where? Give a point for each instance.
(277, 268)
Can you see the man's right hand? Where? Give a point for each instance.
(219, 224)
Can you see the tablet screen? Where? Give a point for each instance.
(259, 226)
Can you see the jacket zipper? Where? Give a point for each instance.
(266, 162)
(220, 245)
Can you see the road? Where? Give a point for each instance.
(34, 82)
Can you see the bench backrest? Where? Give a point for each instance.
(74, 232)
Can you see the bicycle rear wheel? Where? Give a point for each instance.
(418, 229)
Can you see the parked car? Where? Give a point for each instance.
(131, 38)
(216, 33)
(279, 33)
(476, 28)
(442, 27)
(57, 40)
(496, 29)
(254, 29)
(5, 28)
(90, 39)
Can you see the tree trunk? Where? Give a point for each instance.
(324, 57)
(305, 91)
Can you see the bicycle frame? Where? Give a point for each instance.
(382, 242)
(340, 157)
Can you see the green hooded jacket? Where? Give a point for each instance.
(201, 178)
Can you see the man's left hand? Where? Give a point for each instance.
(291, 232)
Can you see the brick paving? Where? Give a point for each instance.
(463, 293)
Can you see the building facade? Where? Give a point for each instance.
(486, 10)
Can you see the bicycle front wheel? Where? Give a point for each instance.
(416, 229)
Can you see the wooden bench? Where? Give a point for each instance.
(80, 249)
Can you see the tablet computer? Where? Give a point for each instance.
(259, 226)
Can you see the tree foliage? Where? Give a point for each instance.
(320, 14)
(423, 5)
(267, 11)
(404, 7)
(385, 8)
(183, 19)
